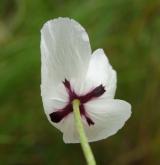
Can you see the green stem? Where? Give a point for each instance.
(83, 139)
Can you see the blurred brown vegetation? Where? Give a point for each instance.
(129, 32)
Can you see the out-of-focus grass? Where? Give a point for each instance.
(129, 32)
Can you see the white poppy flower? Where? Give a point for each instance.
(71, 71)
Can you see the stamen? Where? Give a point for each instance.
(60, 114)
(70, 92)
(67, 84)
(84, 113)
(96, 92)
(89, 121)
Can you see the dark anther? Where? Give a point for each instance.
(58, 115)
(96, 92)
(67, 84)
(84, 113)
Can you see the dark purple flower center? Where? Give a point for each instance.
(58, 115)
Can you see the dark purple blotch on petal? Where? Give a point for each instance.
(60, 114)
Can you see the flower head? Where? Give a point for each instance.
(71, 71)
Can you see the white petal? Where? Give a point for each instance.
(70, 134)
(109, 116)
(99, 72)
(65, 51)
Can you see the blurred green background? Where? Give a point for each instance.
(129, 32)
